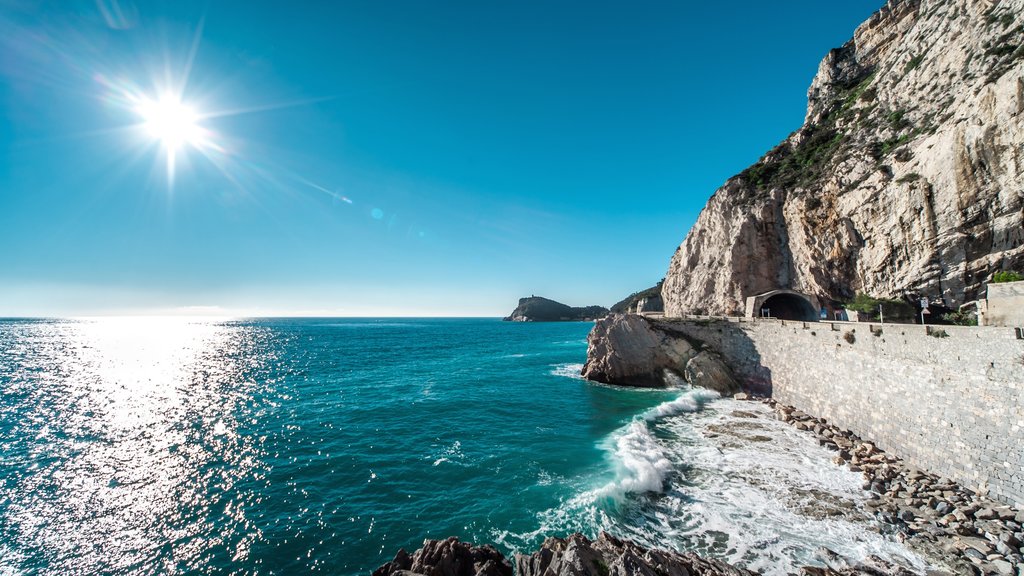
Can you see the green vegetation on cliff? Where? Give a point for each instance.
(1006, 276)
(628, 304)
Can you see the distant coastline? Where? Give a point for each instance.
(540, 309)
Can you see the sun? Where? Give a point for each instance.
(170, 122)
(174, 125)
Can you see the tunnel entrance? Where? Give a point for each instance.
(783, 304)
(789, 307)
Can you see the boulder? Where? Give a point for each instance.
(707, 370)
(448, 557)
(624, 349)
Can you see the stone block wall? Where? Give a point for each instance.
(951, 402)
(1004, 305)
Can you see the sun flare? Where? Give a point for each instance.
(171, 122)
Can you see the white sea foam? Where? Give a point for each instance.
(642, 465)
(674, 380)
(727, 482)
(690, 401)
(567, 370)
(640, 461)
(451, 454)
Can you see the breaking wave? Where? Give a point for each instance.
(573, 371)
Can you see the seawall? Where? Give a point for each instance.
(946, 399)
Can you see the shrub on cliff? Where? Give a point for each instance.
(1006, 276)
(892, 309)
(961, 318)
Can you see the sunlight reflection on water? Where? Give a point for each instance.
(135, 426)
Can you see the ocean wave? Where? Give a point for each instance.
(573, 371)
(690, 401)
(640, 460)
(641, 463)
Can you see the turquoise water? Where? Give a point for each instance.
(169, 446)
(278, 446)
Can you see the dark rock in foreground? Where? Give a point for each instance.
(576, 555)
(609, 556)
(448, 558)
(538, 309)
(572, 556)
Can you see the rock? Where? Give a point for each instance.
(1003, 567)
(985, 514)
(626, 350)
(741, 396)
(448, 558)
(933, 515)
(631, 350)
(609, 556)
(648, 300)
(708, 370)
(982, 546)
(916, 115)
(973, 553)
(538, 309)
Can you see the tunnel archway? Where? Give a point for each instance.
(790, 307)
(785, 305)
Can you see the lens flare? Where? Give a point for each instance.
(170, 121)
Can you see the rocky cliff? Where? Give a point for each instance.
(648, 300)
(906, 177)
(538, 309)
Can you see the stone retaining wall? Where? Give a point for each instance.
(946, 399)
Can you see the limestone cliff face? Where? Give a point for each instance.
(906, 177)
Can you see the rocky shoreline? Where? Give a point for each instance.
(935, 516)
(577, 555)
(961, 530)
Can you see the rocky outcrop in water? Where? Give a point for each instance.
(538, 309)
(906, 177)
(576, 555)
(448, 558)
(969, 532)
(610, 556)
(632, 350)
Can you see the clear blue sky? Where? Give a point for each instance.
(380, 158)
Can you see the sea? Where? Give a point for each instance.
(323, 445)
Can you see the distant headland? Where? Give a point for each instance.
(539, 309)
